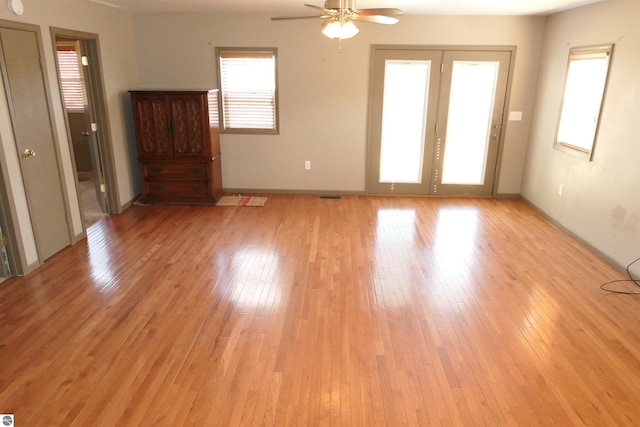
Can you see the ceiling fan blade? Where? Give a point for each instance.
(284, 18)
(380, 11)
(377, 19)
(314, 6)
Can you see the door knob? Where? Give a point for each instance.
(85, 133)
(28, 152)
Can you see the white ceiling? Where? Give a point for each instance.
(409, 7)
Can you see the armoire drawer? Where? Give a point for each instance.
(179, 189)
(175, 171)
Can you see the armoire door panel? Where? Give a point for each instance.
(154, 125)
(188, 125)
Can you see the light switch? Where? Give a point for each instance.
(515, 116)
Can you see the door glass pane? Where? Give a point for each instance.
(473, 87)
(404, 112)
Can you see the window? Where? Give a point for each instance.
(583, 94)
(247, 79)
(73, 92)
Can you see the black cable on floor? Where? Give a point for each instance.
(630, 279)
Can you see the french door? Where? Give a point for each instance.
(435, 120)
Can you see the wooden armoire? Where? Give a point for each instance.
(178, 142)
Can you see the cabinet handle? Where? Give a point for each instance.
(197, 187)
(195, 171)
(156, 170)
(157, 187)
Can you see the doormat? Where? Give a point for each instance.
(241, 201)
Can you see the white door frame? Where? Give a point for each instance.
(98, 111)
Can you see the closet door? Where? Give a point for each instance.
(28, 101)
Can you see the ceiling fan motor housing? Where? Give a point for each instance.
(339, 4)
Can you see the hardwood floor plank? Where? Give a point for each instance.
(359, 311)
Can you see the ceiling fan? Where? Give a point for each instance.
(339, 15)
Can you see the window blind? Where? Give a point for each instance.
(248, 89)
(73, 92)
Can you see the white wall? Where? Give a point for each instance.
(115, 31)
(600, 203)
(323, 93)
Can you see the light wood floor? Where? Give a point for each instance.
(364, 311)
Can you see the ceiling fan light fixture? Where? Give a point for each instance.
(340, 30)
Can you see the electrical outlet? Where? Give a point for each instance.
(560, 189)
(307, 164)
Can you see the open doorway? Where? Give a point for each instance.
(80, 77)
(7, 242)
(87, 161)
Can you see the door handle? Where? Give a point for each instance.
(85, 133)
(28, 152)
